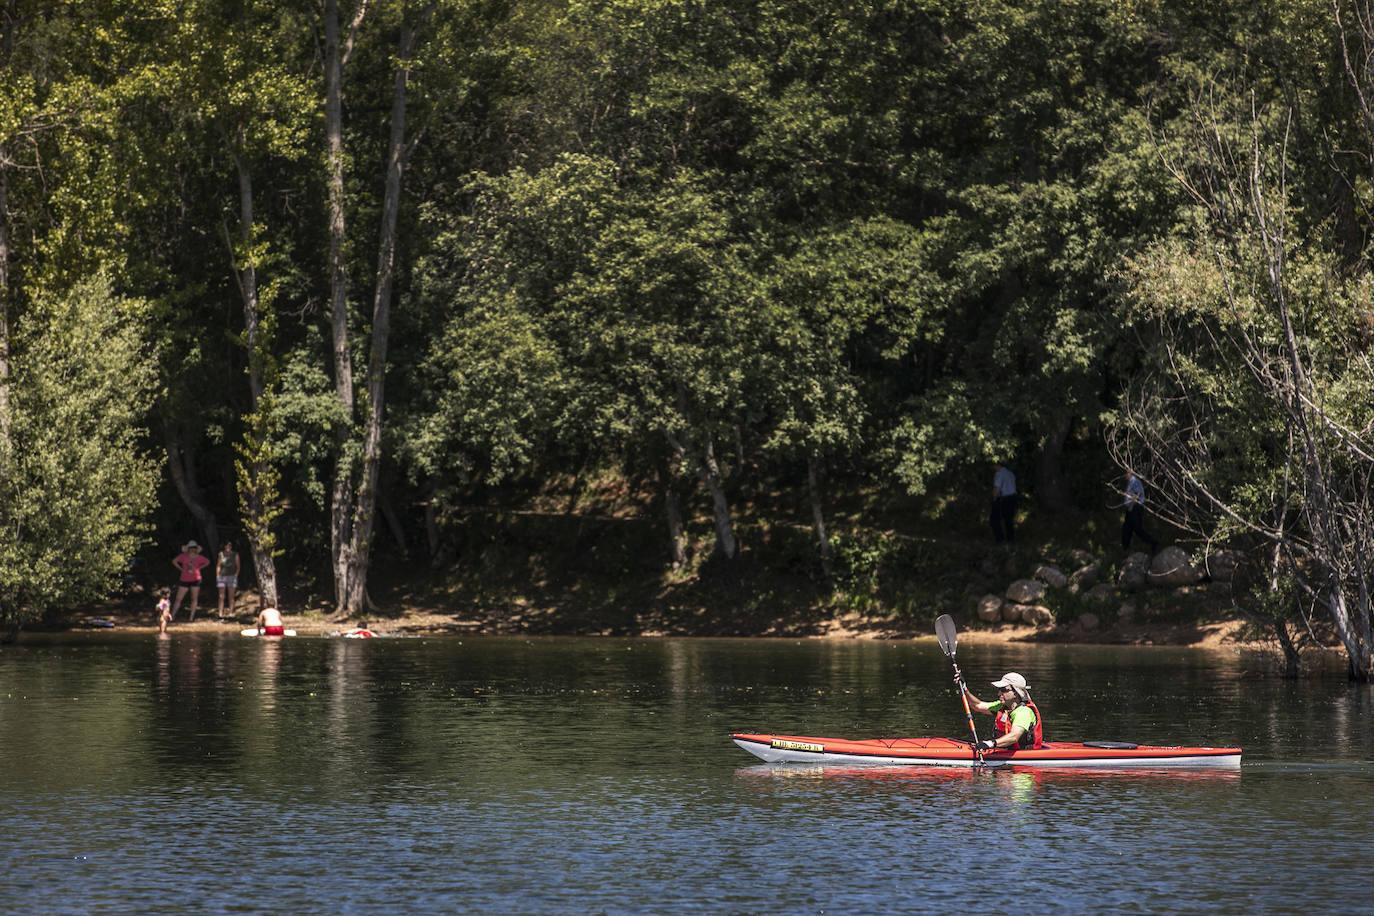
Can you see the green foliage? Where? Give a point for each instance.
(601, 308)
(257, 465)
(306, 416)
(887, 241)
(75, 484)
(499, 379)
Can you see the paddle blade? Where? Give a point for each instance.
(945, 632)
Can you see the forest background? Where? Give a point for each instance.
(710, 307)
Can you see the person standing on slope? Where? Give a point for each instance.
(1003, 515)
(1134, 521)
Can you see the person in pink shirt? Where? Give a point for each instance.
(190, 562)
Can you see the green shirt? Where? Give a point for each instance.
(1022, 715)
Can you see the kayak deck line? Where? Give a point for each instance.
(954, 752)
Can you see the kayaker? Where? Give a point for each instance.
(1016, 722)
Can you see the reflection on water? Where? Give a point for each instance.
(576, 776)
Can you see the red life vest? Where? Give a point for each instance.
(1001, 724)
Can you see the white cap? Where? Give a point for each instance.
(1015, 682)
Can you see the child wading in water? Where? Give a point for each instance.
(164, 613)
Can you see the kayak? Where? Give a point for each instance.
(953, 752)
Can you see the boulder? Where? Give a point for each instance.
(1025, 591)
(1101, 592)
(1081, 557)
(1088, 623)
(990, 608)
(1171, 567)
(1086, 576)
(1037, 615)
(1135, 571)
(1051, 576)
(1126, 613)
(1221, 565)
(1011, 611)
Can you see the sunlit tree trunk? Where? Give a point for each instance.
(341, 499)
(365, 501)
(708, 472)
(257, 476)
(355, 487)
(672, 507)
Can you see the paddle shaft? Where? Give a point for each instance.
(949, 641)
(963, 695)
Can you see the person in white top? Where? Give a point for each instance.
(1003, 516)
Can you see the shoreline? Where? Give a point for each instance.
(1218, 633)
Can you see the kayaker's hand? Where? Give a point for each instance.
(988, 744)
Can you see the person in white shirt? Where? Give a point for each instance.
(1003, 517)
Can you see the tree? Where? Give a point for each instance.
(1254, 414)
(241, 89)
(75, 484)
(75, 369)
(859, 286)
(354, 500)
(642, 289)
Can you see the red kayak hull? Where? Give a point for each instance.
(952, 752)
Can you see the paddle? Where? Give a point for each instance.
(949, 640)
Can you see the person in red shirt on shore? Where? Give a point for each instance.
(190, 563)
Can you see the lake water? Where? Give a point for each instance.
(217, 774)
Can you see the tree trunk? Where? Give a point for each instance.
(364, 512)
(341, 499)
(1049, 468)
(672, 506)
(432, 528)
(1290, 651)
(393, 520)
(725, 529)
(181, 465)
(258, 486)
(708, 472)
(813, 490)
(1359, 652)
